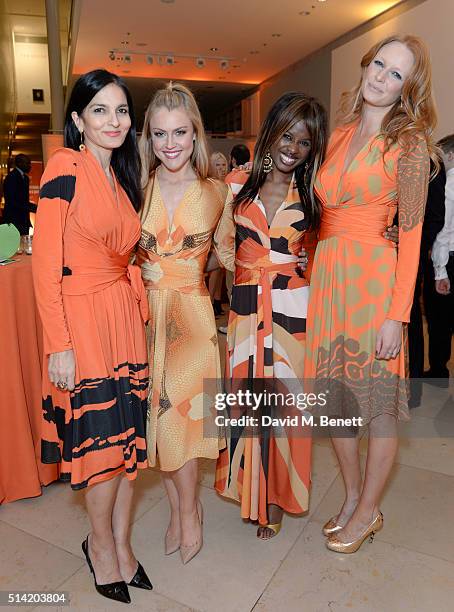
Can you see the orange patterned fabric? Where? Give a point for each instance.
(182, 338)
(360, 279)
(91, 301)
(265, 341)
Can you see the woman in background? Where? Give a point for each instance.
(184, 212)
(93, 306)
(362, 287)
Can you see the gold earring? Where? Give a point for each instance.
(82, 145)
(267, 163)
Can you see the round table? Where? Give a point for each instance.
(21, 356)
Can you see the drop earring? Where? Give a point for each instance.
(267, 163)
(82, 144)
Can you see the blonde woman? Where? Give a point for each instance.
(184, 212)
(218, 165)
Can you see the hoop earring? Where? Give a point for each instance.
(82, 145)
(267, 163)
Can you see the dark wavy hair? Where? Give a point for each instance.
(289, 109)
(125, 160)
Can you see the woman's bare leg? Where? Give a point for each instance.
(347, 451)
(121, 526)
(383, 443)
(173, 529)
(100, 499)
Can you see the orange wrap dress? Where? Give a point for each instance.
(91, 301)
(182, 337)
(359, 278)
(265, 341)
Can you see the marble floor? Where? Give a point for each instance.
(410, 565)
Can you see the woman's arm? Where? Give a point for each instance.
(224, 236)
(412, 182)
(56, 193)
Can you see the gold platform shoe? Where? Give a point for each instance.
(331, 526)
(333, 542)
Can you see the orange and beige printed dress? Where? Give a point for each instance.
(91, 301)
(182, 337)
(359, 278)
(265, 342)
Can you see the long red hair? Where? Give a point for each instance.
(414, 114)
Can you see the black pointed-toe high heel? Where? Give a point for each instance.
(118, 591)
(140, 579)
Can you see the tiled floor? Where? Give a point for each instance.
(410, 566)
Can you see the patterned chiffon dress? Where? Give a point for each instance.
(183, 347)
(359, 278)
(265, 341)
(91, 301)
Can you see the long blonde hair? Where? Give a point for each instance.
(173, 96)
(414, 114)
(213, 159)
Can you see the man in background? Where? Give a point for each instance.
(440, 303)
(239, 155)
(16, 193)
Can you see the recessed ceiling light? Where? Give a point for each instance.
(214, 48)
(304, 13)
(322, 0)
(276, 35)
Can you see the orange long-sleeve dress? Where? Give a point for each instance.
(265, 347)
(183, 347)
(359, 278)
(91, 301)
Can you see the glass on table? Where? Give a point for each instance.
(27, 244)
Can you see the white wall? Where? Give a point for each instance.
(32, 72)
(433, 21)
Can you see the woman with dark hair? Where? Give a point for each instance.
(362, 287)
(268, 470)
(93, 307)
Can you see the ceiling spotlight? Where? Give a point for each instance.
(127, 59)
(200, 62)
(214, 48)
(224, 64)
(170, 60)
(112, 56)
(304, 13)
(149, 59)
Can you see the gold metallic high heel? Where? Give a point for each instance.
(189, 552)
(332, 526)
(333, 542)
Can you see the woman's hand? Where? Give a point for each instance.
(389, 340)
(392, 233)
(62, 370)
(247, 167)
(303, 260)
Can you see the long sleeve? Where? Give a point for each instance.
(444, 242)
(224, 236)
(56, 193)
(412, 182)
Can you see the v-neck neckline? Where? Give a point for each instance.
(344, 170)
(114, 192)
(170, 224)
(280, 207)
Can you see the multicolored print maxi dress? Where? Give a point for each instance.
(91, 301)
(359, 278)
(265, 341)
